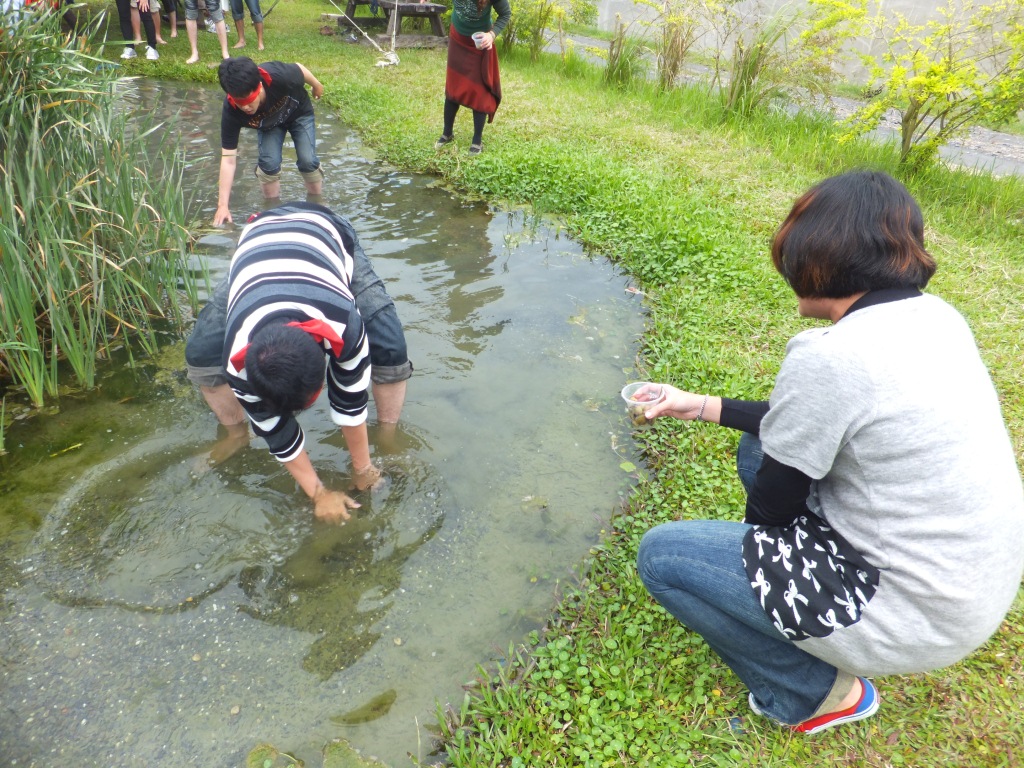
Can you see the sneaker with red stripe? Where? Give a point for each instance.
(864, 708)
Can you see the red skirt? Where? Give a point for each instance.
(472, 78)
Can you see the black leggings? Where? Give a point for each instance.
(124, 15)
(450, 108)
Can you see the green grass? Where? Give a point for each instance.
(685, 200)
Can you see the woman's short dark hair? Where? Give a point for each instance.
(859, 231)
(285, 367)
(239, 76)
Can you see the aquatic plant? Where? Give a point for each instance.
(92, 247)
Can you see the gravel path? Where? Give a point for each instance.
(981, 148)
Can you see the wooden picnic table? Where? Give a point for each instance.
(395, 10)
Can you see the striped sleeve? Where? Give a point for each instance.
(294, 265)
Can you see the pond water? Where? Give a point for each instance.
(155, 611)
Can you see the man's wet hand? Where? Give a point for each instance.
(366, 478)
(222, 216)
(333, 506)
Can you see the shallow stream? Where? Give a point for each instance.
(156, 611)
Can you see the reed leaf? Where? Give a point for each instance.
(92, 242)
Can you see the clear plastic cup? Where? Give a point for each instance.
(639, 396)
(478, 39)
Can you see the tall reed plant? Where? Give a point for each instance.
(92, 242)
(676, 30)
(755, 77)
(626, 64)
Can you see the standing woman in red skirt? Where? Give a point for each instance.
(472, 79)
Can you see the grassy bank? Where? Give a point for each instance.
(685, 202)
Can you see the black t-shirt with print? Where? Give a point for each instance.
(287, 99)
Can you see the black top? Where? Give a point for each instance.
(287, 99)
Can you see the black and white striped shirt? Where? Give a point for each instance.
(296, 266)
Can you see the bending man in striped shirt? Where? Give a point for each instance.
(300, 296)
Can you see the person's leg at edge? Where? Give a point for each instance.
(479, 120)
(270, 144)
(237, 13)
(150, 29)
(695, 570)
(256, 13)
(124, 18)
(192, 29)
(154, 12)
(451, 108)
(136, 25)
(303, 132)
(389, 355)
(172, 16)
(749, 456)
(204, 367)
(217, 14)
(389, 399)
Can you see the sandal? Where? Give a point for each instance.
(442, 141)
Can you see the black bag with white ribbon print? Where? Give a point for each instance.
(809, 579)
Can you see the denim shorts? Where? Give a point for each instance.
(238, 11)
(389, 357)
(213, 7)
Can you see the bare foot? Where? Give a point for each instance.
(160, 41)
(851, 699)
(260, 46)
(230, 440)
(174, 34)
(239, 44)
(192, 59)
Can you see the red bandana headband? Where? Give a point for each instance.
(242, 101)
(318, 329)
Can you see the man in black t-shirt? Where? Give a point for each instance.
(272, 99)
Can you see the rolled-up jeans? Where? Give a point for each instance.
(694, 569)
(238, 10)
(271, 146)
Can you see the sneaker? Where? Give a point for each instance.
(476, 149)
(128, 53)
(753, 705)
(442, 141)
(210, 26)
(152, 53)
(866, 707)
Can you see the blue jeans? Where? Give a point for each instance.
(238, 12)
(271, 144)
(694, 569)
